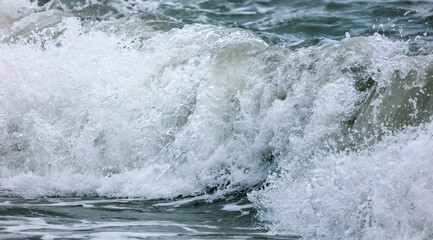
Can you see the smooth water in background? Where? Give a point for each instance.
(216, 119)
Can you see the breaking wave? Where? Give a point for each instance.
(332, 141)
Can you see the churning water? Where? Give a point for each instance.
(216, 119)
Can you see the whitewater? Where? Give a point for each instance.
(136, 106)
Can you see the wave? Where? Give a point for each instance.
(333, 140)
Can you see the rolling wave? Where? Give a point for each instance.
(331, 141)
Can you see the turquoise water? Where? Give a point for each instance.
(216, 119)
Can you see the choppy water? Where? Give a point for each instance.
(104, 218)
(216, 119)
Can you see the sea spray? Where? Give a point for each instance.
(331, 140)
(374, 194)
(89, 114)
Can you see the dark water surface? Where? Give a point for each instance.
(292, 23)
(105, 218)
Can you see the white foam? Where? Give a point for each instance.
(11, 11)
(84, 115)
(89, 111)
(235, 207)
(379, 194)
(181, 202)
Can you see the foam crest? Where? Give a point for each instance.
(11, 11)
(375, 194)
(116, 120)
(357, 169)
(121, 108)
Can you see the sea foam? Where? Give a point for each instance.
(121, 108)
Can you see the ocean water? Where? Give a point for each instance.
(223, 119)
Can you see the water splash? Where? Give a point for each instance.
(333, 138)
